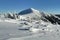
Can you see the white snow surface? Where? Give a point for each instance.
(12, 29)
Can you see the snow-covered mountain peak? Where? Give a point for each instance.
(28, 11)
(33, 9)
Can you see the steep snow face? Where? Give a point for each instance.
(30, 12)
(27, 11)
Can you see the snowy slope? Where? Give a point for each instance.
(33, 25)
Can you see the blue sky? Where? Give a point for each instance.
(51, 6)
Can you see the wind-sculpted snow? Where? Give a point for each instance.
(28, 29)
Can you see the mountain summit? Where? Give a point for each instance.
(30, 12)
(27, 11)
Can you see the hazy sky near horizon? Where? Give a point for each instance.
(51, 6)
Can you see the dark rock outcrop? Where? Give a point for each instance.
(52, 19)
